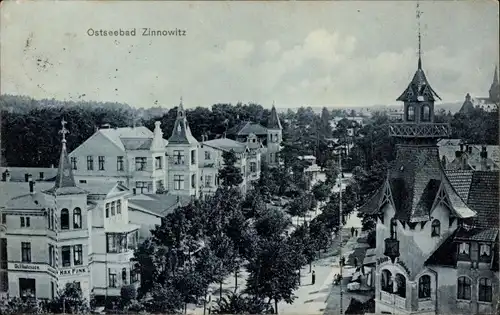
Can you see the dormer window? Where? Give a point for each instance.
(484, 250)
(464, 249)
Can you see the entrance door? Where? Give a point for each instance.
(27, 288)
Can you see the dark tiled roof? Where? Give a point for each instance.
(460, 180)
(446, 254)
(17, 173)
(372, 204)
(181, 134)
(419, 86)
(484, 198)
(246, 128)
(274, 120)
(161, 204)
(424, 205)
(476, 234)
(467, 106)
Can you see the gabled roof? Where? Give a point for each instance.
(159, 204)
(226, 145)
(476, 234)
(419, 88)
(445, 254)
(461, 181)
(116, 135)
(35, 201)
(181, 133)
(246, 128)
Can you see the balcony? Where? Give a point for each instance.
(420, 130)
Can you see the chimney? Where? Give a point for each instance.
(134, 191)
(41, 175)
(32, 187)
(30, 177)
(484, 159)
(7, 176)
(26, 177)
(469, 149)
(484, 153)
(462, 147)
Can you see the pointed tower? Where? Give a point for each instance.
(274, 137)
(182, 151)
(495, 88)
(467, 106)
(65, 181)
(416, 206)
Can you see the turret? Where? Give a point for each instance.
(274, 137)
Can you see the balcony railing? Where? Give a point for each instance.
(393, 299)
(420, 130)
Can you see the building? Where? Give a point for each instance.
(436, 233)
(457, 155)
(147, 163)
(68, 233)
(489, 103)
(267, 139)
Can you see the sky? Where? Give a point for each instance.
(339, 53)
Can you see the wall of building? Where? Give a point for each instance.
(146, 220)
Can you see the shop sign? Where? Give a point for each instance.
(72, 271)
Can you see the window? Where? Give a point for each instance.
(26, 252)
(73, 163)
(51, 255)
(107, 210)
(484, 250)
(400, 285)
(77, 218)
(118, 206)
(134, 275)
(77, 255)
(140, 163)
(112, 279)
(386, 281)
(436, 228)
(207, 155)
(410, 114)
(64, 219)
(424, 287)
(113, 204)
(52, 218)
(66, 256)
(426, 113)
(90, 163)
(178, 157)
(25, 221)
(208, 180)
(101, 163)
(83, 181)
(193, 181)
(111, 243)
(178, 182)
(124, 276)
(142, 186)
(158, 164)
(464, 288)
(119, 163)
(253, 167)
(485, 290)
(464, 249)
(193, 157)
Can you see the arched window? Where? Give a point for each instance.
(436, 228)
(424, 287)
(124, 276)
(64, 219)
(464, 288)
(426, 113)
(77, 218)
(386, 281)
(410, 113)
(193, 181)
(485, 290)
(401, 285)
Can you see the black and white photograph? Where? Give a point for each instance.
(249, 157)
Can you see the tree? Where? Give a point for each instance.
(16, 305)
(164, 299)
(331, 173)
(241, 304)
(321, 191)
(70, 300)
(230, 175)
(272, 272)
(271, 224)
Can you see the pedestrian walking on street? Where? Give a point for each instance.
(313, 277)
(356, 232)
(352, 231)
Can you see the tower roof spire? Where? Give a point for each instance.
(419, 13)
(65, 182)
